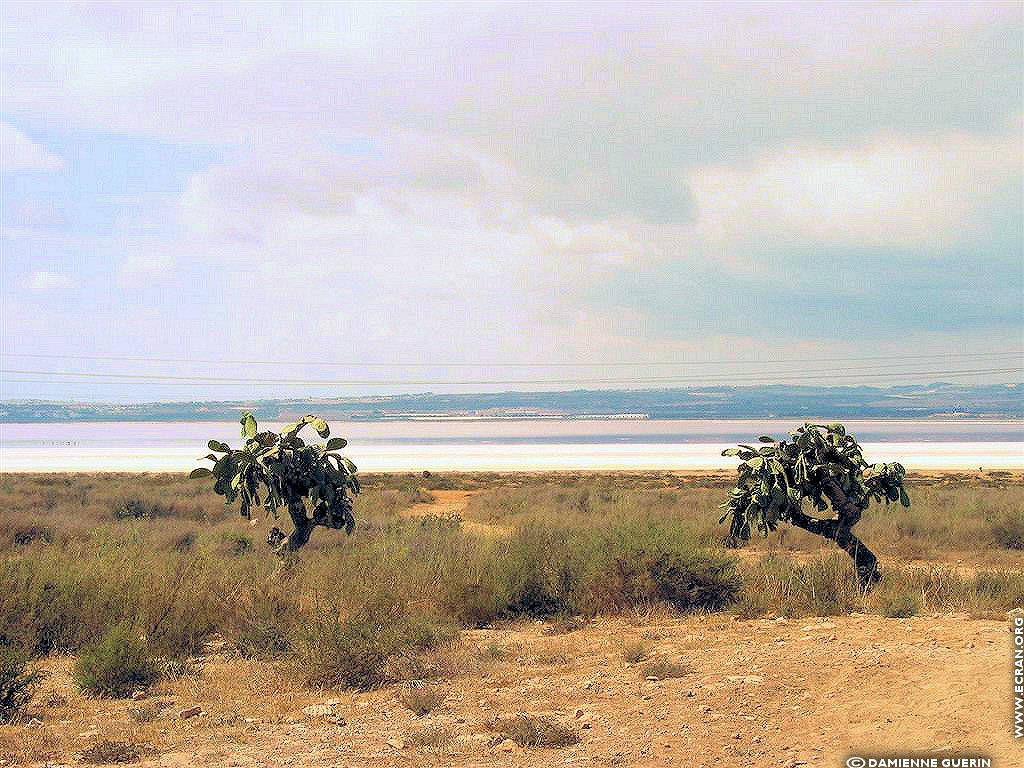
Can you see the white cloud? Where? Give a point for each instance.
(19, 153)
(463, 180)
(892, 191)
(49, 281)
(423, 259)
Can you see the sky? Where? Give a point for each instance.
(438, 196)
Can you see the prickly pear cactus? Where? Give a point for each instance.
(313, 483)
(819, 464)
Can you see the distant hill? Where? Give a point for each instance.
(782, 401)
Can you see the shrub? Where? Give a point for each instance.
(822, 587)
(551, 570)
(265, 623)
(528, 731)
(235, 544)
(636, 563)
(176, 669)
(541, 569)
(364, 650)
(116, 666)
(147, 713)
(136, 509)
(28, 534)
(634, 653)
(421, 699)
(1008, 530)
(473, 605)
(110, 751)
(16, 682)
(184, 542)
(901, 606)
(433, 736)
(663, 669)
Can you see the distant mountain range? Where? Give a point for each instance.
(783, 401)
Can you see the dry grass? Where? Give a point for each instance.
(531, 731)
(431, 737)
(664, 669)
(635, 652)
(165, 558)
(111, 751)
(422, 699)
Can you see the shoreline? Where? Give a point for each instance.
(1014, 475)
(1001, 419)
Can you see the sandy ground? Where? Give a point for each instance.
(777, 693)
(756, 693)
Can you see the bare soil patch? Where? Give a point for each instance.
(757, 693)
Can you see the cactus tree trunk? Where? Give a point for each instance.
(303, 528)
(841, 532)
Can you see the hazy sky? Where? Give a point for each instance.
(494, 183)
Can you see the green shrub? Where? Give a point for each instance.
(540, 569)
(551, 570)
(472, 605)
(366, 649)
(234, 544)
(901, 606)
(29, 534)
(137, 509)
(823, 587)
(1008, 530)
(16, 682)
(117, 665)
(265, 623)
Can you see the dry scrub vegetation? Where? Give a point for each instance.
(136, 575)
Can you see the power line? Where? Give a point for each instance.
(531, 364)
(122, 378)
(192, 377)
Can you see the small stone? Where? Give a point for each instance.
(507, 746)
(398, 744)
(139, 694)
(578, 714)
(35, 722)
(653, 678)
(190, 712)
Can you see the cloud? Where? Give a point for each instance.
(890, 191)
(521, 181)
(424, 244)
(49, 281)
(19, 153)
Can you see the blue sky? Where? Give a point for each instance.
(413, 184)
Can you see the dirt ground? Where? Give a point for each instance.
(754, 693)
(767, 692)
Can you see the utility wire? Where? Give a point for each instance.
(124, 378)
(532, 364)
